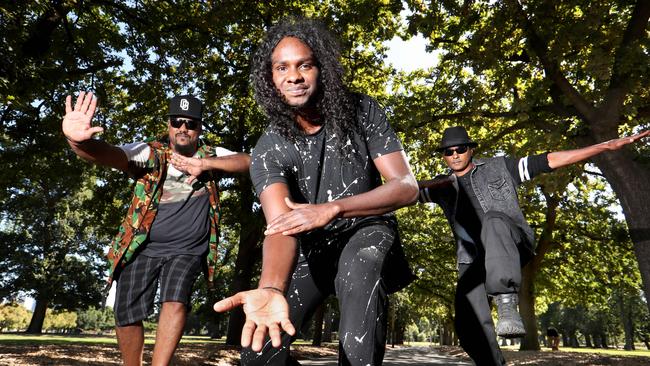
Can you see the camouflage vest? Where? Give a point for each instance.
(135, 227)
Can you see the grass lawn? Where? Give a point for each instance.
(640, 350)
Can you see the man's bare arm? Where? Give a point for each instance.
(235, 163)
(78, 132)
(435, 183)
(559, 159)
(266, 309)
(279, 251)
(400, 189)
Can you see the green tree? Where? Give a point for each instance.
(134, 56)
(13, 317)
(95, 319)
(60, 321)
(551, 68)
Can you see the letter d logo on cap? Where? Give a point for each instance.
(185, 104)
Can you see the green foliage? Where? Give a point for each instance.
(593, 254)
(95, 320)
(58, 212)
(60, 320)
(134, 56)
(525, 78)
(13, 317)
(430, 249)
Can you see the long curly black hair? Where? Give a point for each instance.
(333, 100)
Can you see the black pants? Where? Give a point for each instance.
(496, 270)
(505, 253)
(351, 268)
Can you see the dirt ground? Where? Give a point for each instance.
(201, 354)
(104, 355)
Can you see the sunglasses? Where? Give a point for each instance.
(460, 150)
(191, 124)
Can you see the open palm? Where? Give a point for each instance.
(267, 312)
(76, 122)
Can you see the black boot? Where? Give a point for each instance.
(509, 324)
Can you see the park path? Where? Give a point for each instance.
(421, 356)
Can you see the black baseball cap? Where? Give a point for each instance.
(185, 106)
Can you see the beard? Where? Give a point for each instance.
(184, 149)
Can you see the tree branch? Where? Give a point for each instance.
(591, 172)
(562, 112)
(618, 86)
(551, 67)
(94, 68)
(130, 13)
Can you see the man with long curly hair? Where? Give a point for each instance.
(318, 171)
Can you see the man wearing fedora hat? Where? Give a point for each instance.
(494, 240)
(171, 229)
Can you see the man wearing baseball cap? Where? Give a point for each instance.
(494, 241)
(170, 231)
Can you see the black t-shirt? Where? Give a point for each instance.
(315, 172)
(182, 224)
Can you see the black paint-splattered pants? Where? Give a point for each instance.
(350, 267)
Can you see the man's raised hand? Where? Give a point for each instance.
(76, 122)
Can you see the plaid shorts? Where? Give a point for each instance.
(138, 281)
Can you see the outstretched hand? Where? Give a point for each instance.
(266, 311)
(192, 166)
(76, 122)
(616, 144)
(303, 217)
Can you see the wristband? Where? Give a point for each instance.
(273, 289)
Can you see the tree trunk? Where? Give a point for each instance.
(448, 332)
(573, 340)
(318, 325)
(391, 324)
(629, 180)
(627, 177)
(603, 340)
(36, 324)
(400, 329)
(530, 342)
(628, 325)
(327, 326)
(247, 258)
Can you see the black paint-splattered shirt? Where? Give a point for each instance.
(315, 172)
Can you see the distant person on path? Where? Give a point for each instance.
(553, 338)
(170, 232)
(318, 171)
(494, 241)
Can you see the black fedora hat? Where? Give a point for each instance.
(455, 136)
